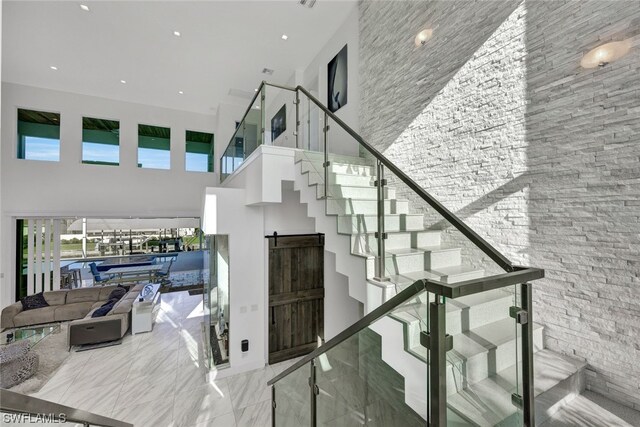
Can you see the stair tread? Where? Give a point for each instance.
(484, 338)
(475, 341)
(453, 305)
(420, 250)
(375, 216)
(410, 251)
(437, 274)
(364, 233)
(361, 199)
(488, 402)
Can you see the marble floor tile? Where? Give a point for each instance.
(93, 397)
(255, 415)
(227, 420)
(104, 371)
(157, 378)
(156, 414)
(204, 403)
(156, 363)
(147, 389)
(190, 378)
(250, 388)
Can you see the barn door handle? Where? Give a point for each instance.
(273, 315)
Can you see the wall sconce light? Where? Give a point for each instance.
(605, 54)
(423, 37)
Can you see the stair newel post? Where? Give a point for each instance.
(528, 396)
(438, 345)
(380, 233)
(325, 130)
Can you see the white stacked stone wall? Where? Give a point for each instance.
(495, 117)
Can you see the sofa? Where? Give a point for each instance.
(77, 306)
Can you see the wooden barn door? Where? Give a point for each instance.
(296, 295)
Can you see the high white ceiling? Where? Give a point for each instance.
(223, 45)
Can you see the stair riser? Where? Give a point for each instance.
(352, 169)
(554, 399)
(463, 320)
(367, 243)
(351, 180)
(356, 170)
(482, 365)
(365, 207)
(316, 176)
(418, 262)
(318, 157)
(369, 224)
(477, 316)
(344, 192)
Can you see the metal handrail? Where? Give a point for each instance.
(448, 290)
(487, 248)
(452, 218)
(366, 321)
(17, 403)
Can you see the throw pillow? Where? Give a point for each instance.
(104, 308)
(117, 293)
(34, 301)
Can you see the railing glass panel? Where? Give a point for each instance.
(280, 112)
(359, 382)
(292, 397)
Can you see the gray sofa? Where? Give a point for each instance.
(77, 305)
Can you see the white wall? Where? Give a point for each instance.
(314, 78)
(70, 188)
(225, 212)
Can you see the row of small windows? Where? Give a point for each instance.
(39, 139)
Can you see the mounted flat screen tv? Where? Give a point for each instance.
(279, 123)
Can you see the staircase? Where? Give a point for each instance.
(482, 366)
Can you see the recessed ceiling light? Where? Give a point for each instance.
(54, 68)
(177, 33)
(123, 81)
(284, 37)
(84, 7)
(180, 92)
(255, 90)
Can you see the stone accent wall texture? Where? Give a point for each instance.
(495, 117)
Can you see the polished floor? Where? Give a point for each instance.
(155, 379)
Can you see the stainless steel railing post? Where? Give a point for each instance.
(380, 233)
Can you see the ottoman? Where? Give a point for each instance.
(17, 363)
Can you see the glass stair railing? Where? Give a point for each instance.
(21, 409)
(455, 346)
